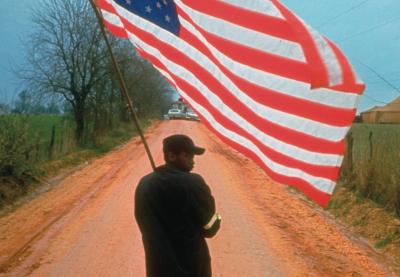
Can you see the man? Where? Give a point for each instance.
(175, 212)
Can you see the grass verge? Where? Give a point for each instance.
(15, 191)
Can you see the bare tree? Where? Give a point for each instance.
(148, 89)
(66, 54)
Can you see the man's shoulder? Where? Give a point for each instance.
(146, 182)
(148, 177)
(195, 177)
(167, 174)
(158, 171)
(162, 174)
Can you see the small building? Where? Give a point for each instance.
(180, 105)
(389, 113)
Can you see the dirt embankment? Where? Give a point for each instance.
(85, 225)
(380, 228)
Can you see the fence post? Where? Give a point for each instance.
(51, 146)
(61, 141)
(37, 148)
(349, 153)
(370, 145)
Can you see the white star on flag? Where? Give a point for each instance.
(148, 9)
(158, 4)
(167, 18)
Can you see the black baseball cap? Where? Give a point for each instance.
(181, 143)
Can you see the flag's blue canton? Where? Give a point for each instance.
(161, 12)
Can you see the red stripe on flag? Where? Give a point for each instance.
(115, 30)
(354, 88)
(319, 75)
(104, 5)
(349, 79)
(252, 57)
(239, 16)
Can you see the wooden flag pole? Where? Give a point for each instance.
(123, 85)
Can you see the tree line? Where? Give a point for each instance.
(68, 61)
(68, 72)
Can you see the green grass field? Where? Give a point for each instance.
(40, 130)
(385, 140)
(42, 124)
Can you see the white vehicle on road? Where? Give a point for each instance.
(175, 113)
(190, 114)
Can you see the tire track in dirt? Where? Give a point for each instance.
(62, 219)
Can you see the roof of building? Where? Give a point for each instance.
(393, 106)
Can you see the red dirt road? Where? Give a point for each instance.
(85, 225)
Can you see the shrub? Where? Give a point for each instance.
(16, 147)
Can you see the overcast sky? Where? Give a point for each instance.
(368, 31)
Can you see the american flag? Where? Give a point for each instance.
(263, 80)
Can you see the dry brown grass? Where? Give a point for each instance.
(375, 171)
(368, 196)
(366, 218)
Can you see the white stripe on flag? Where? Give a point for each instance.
(245, 36)
(112, 18)
(328, 57)
(264, 7)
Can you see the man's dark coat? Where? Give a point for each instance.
(171, 208)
